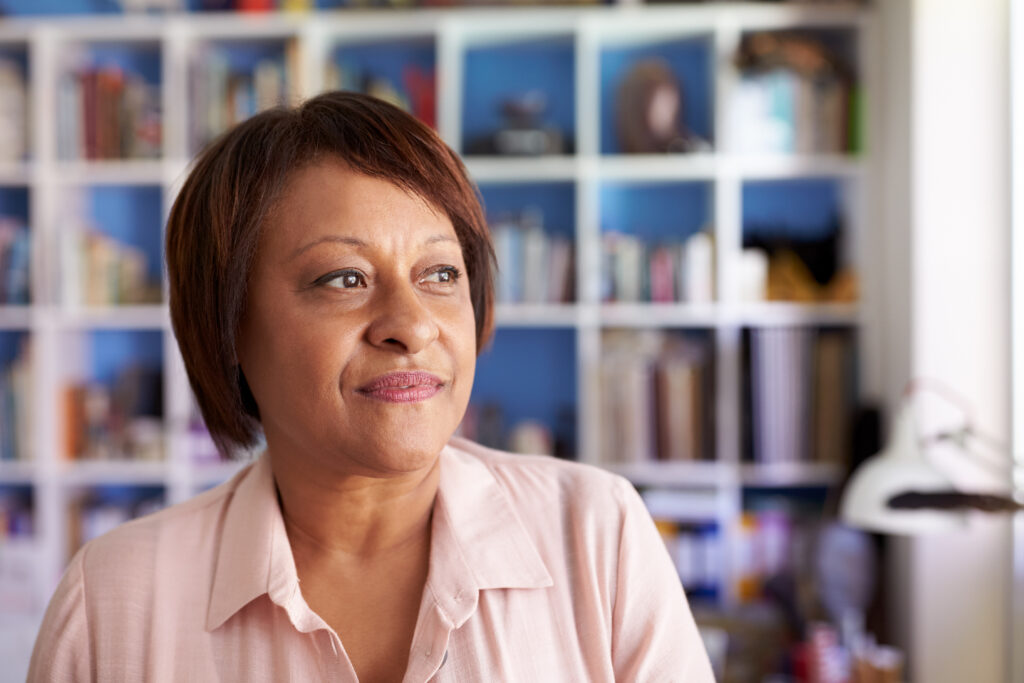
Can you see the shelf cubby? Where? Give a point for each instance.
(402, 71)
(657, 242)
(230, 79)
(108, 100)
(657, 96)
(526, 379)
(110, 241)
(533, 229)
(802, 240)
(518, 97)
(800, 388)
(112, 395)
(657, 395)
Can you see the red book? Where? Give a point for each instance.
(88, 137)
(254, 5)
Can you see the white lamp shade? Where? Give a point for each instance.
(900, 468)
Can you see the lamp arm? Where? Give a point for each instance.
(999, 465)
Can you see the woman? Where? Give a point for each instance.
(330, 287)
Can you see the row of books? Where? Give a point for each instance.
(635, 271)
(794, 94)
(696, 550)
(15, 255)
(801, 394)
(534, 266)
(655, 397)
(118, 422)
(98, 270)
(224, 94)
(13, 111)
(16, 405)
(107, 113)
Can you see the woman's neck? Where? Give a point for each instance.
(354, 517)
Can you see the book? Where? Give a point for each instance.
(13, 112)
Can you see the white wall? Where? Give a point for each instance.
(952, 597)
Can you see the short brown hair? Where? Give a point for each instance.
(215, 223)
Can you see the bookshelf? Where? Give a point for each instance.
(584, 195)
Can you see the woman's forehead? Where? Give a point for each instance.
(331, 203)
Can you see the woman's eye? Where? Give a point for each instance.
(446, 276)
(344, 279)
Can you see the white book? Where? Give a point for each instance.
(535, 264)
(699, 268)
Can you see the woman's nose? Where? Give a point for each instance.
(401, 321)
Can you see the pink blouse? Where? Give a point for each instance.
(540, 570)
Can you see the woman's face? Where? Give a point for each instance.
(358, 339)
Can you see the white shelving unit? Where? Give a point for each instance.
(54, 480)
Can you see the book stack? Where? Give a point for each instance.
(533, 265)
(801, 388)
(654, 398)
(118, 422)
(13, 112)
(223, 94)
(794, 95)
(696, 551)
(14, 262)
(634, 271)
(15, 406)
(101, 271)
(107, 113)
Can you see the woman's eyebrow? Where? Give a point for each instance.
(360, 244)
(340, 239)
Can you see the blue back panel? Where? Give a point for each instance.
(388, 60)
(557, 201)
(114, 350)
(142, 59)
(14, 203)
(531, 374)
(804, 208)
(10, 346)
(665, 212)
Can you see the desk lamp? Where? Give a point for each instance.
(902, 491)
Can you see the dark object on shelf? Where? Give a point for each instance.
(953, 500)
(523, 133)
(649, 111)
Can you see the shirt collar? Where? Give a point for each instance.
(254, 556)
(478, 543)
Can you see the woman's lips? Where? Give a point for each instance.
(402, 387)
